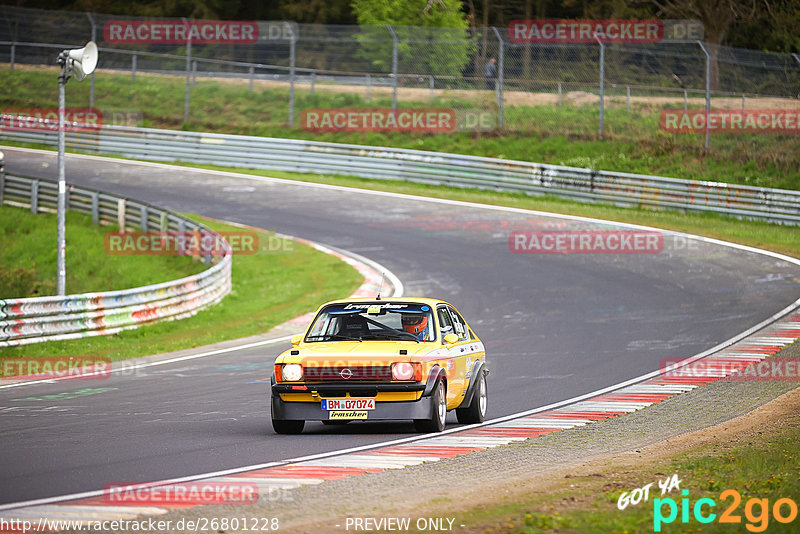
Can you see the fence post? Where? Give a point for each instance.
(292, 42)
(13, 54)
(252, 72)
(500, 79)
(394, 66)
(133, 68)
(313, 79)
(121, 214)
(602, 84)
(628, 101)
(708, 88)
(143, 216)
(188, 72)
(430, 84)
(94, 39)
(685, 100)
(369, 85)
(559, 94)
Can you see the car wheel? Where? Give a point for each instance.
(439, 408)
(286, 426)
(476, 411)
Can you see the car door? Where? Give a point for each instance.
(452, 323)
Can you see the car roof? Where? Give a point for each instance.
(420, 300)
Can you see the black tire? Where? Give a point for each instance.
(287, 426)
(476, 411)
(439, 408)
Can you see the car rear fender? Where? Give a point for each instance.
(479, 367)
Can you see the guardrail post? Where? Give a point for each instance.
(708, 88)
(252, 72)
(292, 50)
(500, 79)
(164, 222)
(313, 79)
(133, 68)
(94, 39)
(2, 183)
(35, 196)
(95, 208)
(121, 214)
(394, 66)
(143, 215)
(602, 84)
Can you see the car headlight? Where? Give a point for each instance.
(292, 372)
(402, 371)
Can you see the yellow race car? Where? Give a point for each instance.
(381, 359)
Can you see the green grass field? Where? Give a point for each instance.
(272, 286)
(541, 133)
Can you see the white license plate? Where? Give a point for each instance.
(348, 404)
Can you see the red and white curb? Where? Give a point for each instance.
(285, 476)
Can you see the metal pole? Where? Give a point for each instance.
(708, 88)
(313, 79)
(369, 85)
(394, 66)
(500, 79)
(188, 72)
(94, 39)
(685, 100)
(194, 72)
(13, 55)
(602, 83)
(252, 71)
(742, 104)
(291, 77)
(559, 94)
(628, 101)
(133, 68)
(430, 84)
(61, 269)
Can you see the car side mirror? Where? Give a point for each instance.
(296, 340)
(450, 339)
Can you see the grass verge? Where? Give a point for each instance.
(269, 287)
(28, 257)
(567, 135)
(759, 463)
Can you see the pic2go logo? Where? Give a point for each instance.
(756, 511)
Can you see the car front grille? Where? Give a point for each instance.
(341, 373)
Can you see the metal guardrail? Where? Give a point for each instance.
(33, 320)
(589, 185)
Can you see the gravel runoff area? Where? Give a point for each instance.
(444, 488)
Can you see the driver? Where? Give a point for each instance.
(417, 324)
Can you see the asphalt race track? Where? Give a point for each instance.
(555, 326)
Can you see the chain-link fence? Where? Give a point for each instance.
(312, 77)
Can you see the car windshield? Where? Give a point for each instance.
(370, 321)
